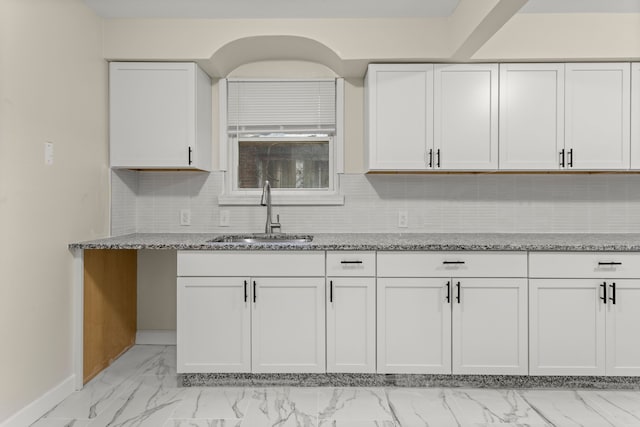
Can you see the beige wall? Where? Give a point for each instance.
(53, 86)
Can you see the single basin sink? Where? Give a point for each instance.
(263, 238)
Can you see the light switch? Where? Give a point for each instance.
(48, 153)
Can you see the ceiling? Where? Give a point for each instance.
(248, 9)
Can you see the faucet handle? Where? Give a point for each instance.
(276, 227)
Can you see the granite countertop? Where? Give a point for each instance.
(381, 241)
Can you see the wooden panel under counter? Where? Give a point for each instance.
(110, 300)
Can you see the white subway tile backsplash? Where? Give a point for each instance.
(482, 203)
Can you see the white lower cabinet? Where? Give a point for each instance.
(457, 324)
(489, 326)
(351, 311)
(414, 326)
(288, 325)
(250, 322)
(584, 322)
(351, 324)
(214, 325)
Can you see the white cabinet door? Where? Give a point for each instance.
(351, 324)
(598, 115)
(635, 115)
(213, 325)
(623, 326)
(399, 114)
(490, 326)
(531, 116)
(566, 327)
(160, 116)
(288, 325)
(466, 116)
(414, 326)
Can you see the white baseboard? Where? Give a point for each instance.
(156, 337)
(36, 409)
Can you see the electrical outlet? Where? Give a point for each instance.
(185, 217)
(224, 218)
(403, 219)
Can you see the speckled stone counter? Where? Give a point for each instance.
(382, 242)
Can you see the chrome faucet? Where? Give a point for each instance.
(270, 227)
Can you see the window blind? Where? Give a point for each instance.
(293, 106)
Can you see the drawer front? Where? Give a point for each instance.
(452, 264)
(584, 265)
(351, 263)
(245, 263)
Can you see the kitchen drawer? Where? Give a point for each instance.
(584, 264)
(452, 264)
(351, 263)
(251, 263)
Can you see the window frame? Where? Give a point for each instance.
(228, 151)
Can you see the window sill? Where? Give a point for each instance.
(332, 199)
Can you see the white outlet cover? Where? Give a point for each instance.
(48, 153)
(224, 218)
(185, 217)
(403, 219)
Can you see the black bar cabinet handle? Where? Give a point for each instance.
(255, 294)
(609, 263)
(613, 293)
(570, 158)
(350, 262)
(438, 158)
(562, 158)
(449, 292)
(245, 291)
(453, 262)
(430, 157)
(604, 292)
(458, 296)
(331, 291)
(190, 151)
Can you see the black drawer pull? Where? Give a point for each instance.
(458, 296)
(350, 262)
(609, 263)
(604, 292)
(613, 293)
(452, 262)
(245, 291)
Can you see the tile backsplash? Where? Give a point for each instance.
(149, 201)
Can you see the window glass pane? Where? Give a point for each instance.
(286, 164)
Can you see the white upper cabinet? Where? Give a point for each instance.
(160, 116)
(597, 116)
(531, 116)
(635, 115)
(399, 114)
(465, 117)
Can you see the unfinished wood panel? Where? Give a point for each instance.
(109, 307)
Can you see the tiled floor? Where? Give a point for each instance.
(140, 389)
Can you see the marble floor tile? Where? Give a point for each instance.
(214, 403)
(60, 422)
(140, 389)
(147, 403)
(282, 407)
(342, 404)
(566, 408)
(202, 423)
(421, 407)
(620, 407)
(486, 406)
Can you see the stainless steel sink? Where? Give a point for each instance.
(263, 238)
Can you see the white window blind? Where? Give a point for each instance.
(293, 106)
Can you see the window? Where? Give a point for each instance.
(288, 132)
